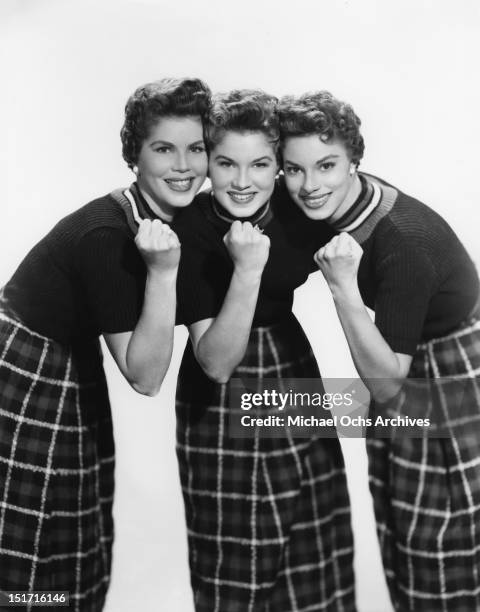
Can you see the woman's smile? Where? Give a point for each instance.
(242, 198)
(315, 201)
(183, 184)
(243, 166)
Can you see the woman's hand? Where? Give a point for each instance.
(158, 245)
(247, 247)
(339, 261)
(380, 368)
(143, 355)
(220, 344)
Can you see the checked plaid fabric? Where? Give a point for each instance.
(56, 468)
(427, 491)
(268, 519)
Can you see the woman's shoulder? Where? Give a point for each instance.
(410, 221)
(95, 224)
(102, 212)
(413, 236)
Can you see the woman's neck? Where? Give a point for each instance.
(350, 200)
(260, 217)
(163, 211)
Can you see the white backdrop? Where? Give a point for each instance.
(409, 68)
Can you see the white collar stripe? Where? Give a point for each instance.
(128, 194)
(376, 197)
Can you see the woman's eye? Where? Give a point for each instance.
(260, 165)
(292, 170)
(162, 150)
(198, 149)
(327, 166)
(225, 164)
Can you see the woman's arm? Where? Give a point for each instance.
(219, 344)
(381, 369)
(143, 356)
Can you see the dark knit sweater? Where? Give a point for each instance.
(86, 277)
(206, 267)
(414, 273)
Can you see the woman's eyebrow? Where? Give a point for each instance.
(319, 161)
(163, 142)
(331, 156)
(171, 144)
(255, 161)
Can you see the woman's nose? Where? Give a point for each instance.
(241, 179)
(309, 184)
(180, 163)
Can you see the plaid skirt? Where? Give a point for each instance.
(426, 490)
(268, 519)
(56, 467)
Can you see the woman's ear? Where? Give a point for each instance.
(278, 157)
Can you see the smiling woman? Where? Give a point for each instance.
(322, 180)
(268, 518)
(171, 165)
(244, 178)
(107, 269)
(398, 257)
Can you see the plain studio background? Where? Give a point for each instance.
(409, 68)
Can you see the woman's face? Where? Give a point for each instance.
(172, 164)
(319, 176)
(242, 168)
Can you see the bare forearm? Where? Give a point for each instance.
(143, 355)
(223, 345)
(379, 367)
(150, 347)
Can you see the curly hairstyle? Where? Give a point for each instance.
(321, 113)
(243, 110)
(167, 97)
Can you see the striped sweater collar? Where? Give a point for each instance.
(360, 210)
(261, 218)
(140, 207)
(374, 202)
(134, 206)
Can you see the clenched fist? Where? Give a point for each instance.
(158, 245)
(247, 247)
(339, 260)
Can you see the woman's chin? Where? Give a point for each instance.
(315, 214)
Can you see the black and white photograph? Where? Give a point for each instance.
(240, 306)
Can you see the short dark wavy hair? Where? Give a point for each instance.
(168, 97)
(321, 113)
(243, 110)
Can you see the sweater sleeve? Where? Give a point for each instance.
(112, 277)
(204, 274)
(405, 282)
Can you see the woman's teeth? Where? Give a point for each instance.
(317, 202)
(179, 184)
(241, 198)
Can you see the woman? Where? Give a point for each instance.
(398, 257)
(90, 276)
(268, 518)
